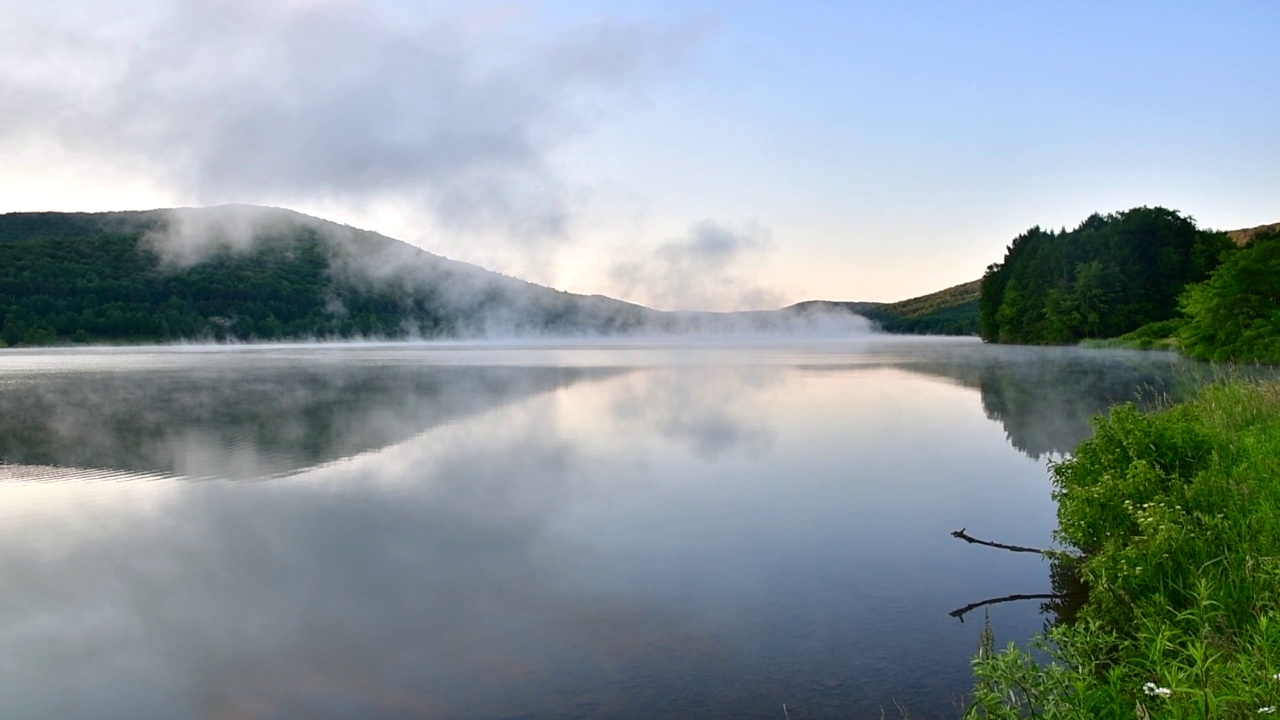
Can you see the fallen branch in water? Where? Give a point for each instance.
(1011, 548)
(959, 613)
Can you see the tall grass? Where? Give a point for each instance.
(1173, 520)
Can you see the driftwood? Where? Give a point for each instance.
(959, 613)
(1011, 548)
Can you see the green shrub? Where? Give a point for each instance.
(1173, 522)
(1235, 314)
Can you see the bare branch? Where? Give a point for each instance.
(1011, 548)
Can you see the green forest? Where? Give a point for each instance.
(83, 278)
(71, 280)
(1148, 277)
(1235, 314)
(1109, 276)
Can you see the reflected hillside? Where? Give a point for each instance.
(1047, 407)
(1046, 397)
(243, 422)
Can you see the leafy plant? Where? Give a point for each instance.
(1235, 314)
(1173, 519)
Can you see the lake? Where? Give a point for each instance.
(589, 530)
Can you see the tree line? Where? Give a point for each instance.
(1109, 276)
(63, 279)
(1147, 276)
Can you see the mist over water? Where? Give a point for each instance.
(437, 297)
(537, 530)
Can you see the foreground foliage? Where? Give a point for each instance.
(1235, 314)
(1173, 519)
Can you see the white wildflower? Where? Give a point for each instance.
(1267, 710)
(1155, 690)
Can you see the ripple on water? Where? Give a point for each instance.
(53, 474)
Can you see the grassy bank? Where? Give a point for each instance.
(1152, 336)
(1172, 520)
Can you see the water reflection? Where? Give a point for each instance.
(709, 413)
(484, 540)
(246, 420)
(1045, 398)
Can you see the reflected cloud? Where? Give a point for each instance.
(449, 594)
(706, 409)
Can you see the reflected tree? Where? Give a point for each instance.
(234, 420)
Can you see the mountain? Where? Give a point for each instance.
(248, 273)
(253, 273)
(953, 311)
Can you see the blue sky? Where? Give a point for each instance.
(695, 154)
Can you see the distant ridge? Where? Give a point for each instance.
(952, 311)
(1245, 236)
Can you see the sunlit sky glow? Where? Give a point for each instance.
(696, 155)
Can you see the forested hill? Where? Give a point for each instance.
(253, 273)
(1109, 276)
(953, 311)
(247, 273)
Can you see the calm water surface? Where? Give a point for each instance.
(541, 531)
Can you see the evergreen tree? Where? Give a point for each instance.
(1110, 275)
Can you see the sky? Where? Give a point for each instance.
(700, 154)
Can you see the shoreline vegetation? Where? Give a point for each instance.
(1170, 517)
(1171, 520)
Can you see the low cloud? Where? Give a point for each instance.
(708, 268)
(453, 116)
